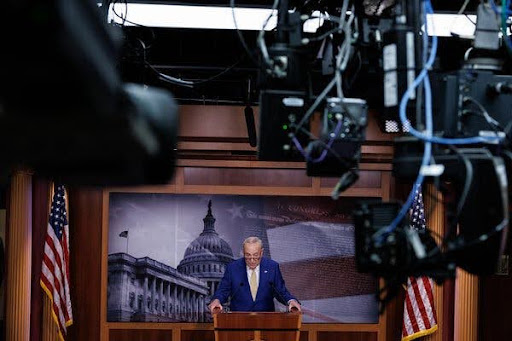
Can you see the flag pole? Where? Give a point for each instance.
(127, 237)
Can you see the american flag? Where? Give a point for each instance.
(55, 269)
(419, 312)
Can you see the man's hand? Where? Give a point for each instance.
(294, 306)
(215, 306)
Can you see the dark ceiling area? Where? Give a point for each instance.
(224, 72)
(214, 59)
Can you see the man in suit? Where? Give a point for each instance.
(252, 282)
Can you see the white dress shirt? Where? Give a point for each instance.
(249, 271)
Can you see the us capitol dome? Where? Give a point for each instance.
(207, 256)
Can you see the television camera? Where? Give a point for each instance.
(66, 113)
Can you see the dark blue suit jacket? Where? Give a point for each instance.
(235, 285)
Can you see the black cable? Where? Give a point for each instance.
(349, 83)
(377, 8)
(467, 183)
(105, 6)
(190, 84)
(462, 8)
(153, 36)
(462, 199)
(326, 146)
(326, 34)
(126, 13)
(229, 68)
(493, 124)
(164, 77)
(482, 238)
(483, 111)
(241, 37)
(469, 18)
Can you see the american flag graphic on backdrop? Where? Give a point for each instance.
(323, 273)
(315, 248)
(316, 253)
(419, 312)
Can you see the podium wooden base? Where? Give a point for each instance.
(248, 326)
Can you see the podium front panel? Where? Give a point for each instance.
(259, 321)
(278, 335)
(246, 326)
(234, 335)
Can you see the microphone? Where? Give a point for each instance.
(231, 296)
(251, 129)
(236, 291)
(278, 294)
(281, 298)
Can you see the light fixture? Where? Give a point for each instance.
(252, 19)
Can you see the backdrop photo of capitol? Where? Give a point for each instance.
(167, 254)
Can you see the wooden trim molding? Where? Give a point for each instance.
(104, 268)
(265, 164)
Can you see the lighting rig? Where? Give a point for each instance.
(452, 126)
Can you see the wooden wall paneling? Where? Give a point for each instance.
(312, 334)
(200, 332)
(197, 335)
(104, 331)
(367, 179)
(173, 331)
(222, 128)
(340, 327)
(265, 178)
(141, 335)
(248, 190)
(316, 183)
(495, 301)
(385, 185)
(373, 132)
(85, 224)
(449, 311)
(241, 164)
(50, 330)
(246, 177)
(312, 190)
(347, 336)
(394, 317)
(176, 334)
(214, 122)
(268, 164)
(40, 207)
(189, 179)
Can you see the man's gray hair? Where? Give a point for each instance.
(252, 240)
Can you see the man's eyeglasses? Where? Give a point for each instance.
(252, 257)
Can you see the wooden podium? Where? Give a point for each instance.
(247, 326)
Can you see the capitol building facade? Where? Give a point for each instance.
(143, 289)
